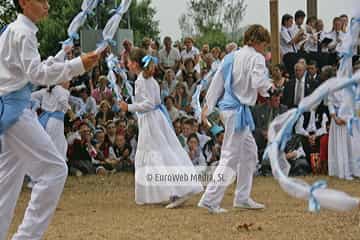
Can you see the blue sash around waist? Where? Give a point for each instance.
(164, 111)
(45, 116)
(12, 106)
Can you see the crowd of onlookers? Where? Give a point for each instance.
(103, 139)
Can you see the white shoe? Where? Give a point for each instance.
(178, 201)
(250, 204)
(212, 210)
(350, 178)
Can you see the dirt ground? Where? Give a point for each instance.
(103, 208)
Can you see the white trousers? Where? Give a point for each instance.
(28, 149)
(239, 153)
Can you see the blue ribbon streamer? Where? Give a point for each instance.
(148, 59)
(314, 205)
(354, 120)
(116, 10)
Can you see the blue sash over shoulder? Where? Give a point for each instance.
(230, 102)
(12, 106)
(45, 116)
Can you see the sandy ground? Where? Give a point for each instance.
(104, 208)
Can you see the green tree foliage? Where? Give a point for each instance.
(213, 37)
(7, 12)
(54, 29)
(234, 14)
(213, 20)
(142, 21)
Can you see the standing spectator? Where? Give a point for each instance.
(169, 57)
(345, 22)
(124, 55)
(288, 42)
(299, 20)
(191, 52)
(337, 37)
(230, 47)
(311, 43)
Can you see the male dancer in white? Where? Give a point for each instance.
(27, 148)
(235, 87)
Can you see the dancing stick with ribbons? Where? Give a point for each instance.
(112, 25)
(87, 8)
(108, 34)
(113, 66)
(195, 100)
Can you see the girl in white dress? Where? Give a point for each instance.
(158, 147)
(342, 151)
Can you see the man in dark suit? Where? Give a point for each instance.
(298, 87)
(263, 115)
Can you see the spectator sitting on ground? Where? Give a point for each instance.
(168, 84)
(110, 132)
(181, 97)
(194, 151)
(131, 137)
(81, 153)
(178, 131)
(105, 114)
(189, 76)
(172, 110)
(119, 155)
(212, 148)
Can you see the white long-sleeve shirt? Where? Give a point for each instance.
(147, 95)
(20, 61)
(249, 79)
(57, 100)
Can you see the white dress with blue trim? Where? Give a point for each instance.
(158, 145)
